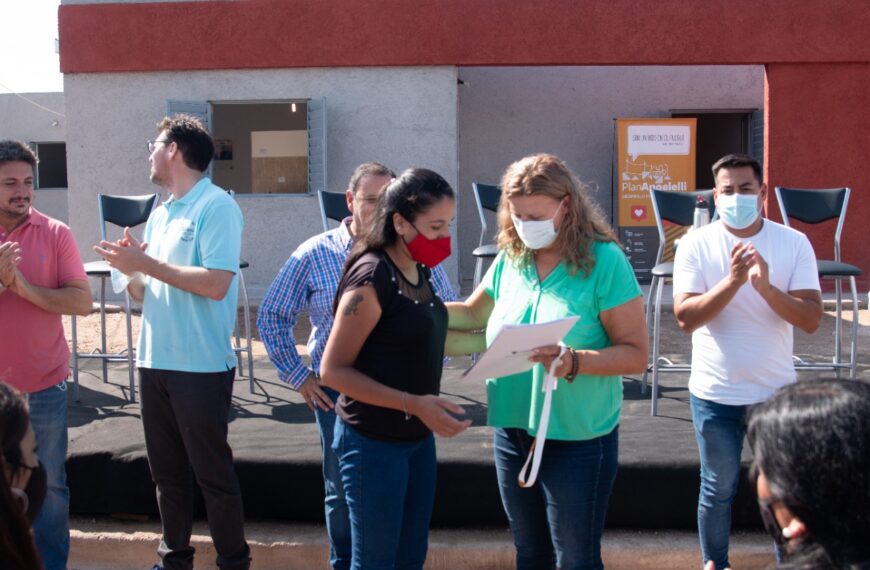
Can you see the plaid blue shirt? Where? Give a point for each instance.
(309, 280)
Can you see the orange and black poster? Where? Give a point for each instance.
(651, 154)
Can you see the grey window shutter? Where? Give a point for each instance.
(317, 145)
(199, 109)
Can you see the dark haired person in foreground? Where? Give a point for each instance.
(184, 272)
(41, 279)
(384, 355)
(741, 285)
(811, 448)
(23, 483)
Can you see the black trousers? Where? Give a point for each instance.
(185, 416)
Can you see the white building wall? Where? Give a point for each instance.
(399, 116)
(29, 118)
(506, 113)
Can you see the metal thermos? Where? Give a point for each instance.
(702, 213)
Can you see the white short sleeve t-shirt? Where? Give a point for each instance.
(744, 354)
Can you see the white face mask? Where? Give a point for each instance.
(537, 234)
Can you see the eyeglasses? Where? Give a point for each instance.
(153, 144)
(369, 200)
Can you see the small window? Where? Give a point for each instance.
(51, 170)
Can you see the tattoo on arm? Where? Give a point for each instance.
(352, 307)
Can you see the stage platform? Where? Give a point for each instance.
(277, 450)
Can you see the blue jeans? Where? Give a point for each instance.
(48, 416)
(719, 430)
(559, 521)
(335, 506)
(390, 491)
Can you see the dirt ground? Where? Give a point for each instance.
(88, 332)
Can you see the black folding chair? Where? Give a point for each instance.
(122, 211)
(677, 208)
(487, 197)
(814, 206)
(333, 206)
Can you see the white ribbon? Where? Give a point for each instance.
(537, 450)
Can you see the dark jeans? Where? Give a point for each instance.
(390, 491)
(185, 417)
(558, 522)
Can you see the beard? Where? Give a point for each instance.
(16, 209)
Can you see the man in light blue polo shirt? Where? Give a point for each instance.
(184, 272)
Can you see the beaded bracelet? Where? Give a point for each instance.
(575, 364)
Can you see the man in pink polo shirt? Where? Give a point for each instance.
(41, 278)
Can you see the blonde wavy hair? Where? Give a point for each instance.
(583, 222)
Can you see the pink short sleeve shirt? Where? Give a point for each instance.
(34, 354)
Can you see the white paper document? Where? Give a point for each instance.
(513, 345)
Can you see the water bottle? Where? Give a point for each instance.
(702, 213)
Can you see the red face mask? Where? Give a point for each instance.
(429, 252)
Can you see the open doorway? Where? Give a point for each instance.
(261, 148)
(264, 147)
(719, 133)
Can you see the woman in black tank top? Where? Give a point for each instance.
(385, 355)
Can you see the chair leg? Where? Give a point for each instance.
(649, 305)
(246, 311)
(656, 337)
(130, 362)
(853, 353)
(478, 273)
(75, 358)
(838, 341)
(103, 329)
(237, 345)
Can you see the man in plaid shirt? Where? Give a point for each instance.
(308, 281)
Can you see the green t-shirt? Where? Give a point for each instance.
(589, 407)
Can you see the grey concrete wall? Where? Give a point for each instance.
(399, 116)
(28, 121)
(508, 113)
(52, 202)
(25, 121)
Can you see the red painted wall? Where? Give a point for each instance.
(818, 136)
(329, 33)
(816, 53)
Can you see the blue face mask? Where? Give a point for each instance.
(737, 211)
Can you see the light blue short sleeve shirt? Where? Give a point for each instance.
(183, 331)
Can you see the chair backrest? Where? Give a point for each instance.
(125, 211)
(677, 208)
(814, 206)
(487, 197)
(333, 206)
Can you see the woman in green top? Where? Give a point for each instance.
(557, 258)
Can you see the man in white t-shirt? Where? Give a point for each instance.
(740, 286)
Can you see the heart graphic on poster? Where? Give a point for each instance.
(638, 213)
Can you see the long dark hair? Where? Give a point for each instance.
(411, 194)
(17, 549)
(812, 442)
